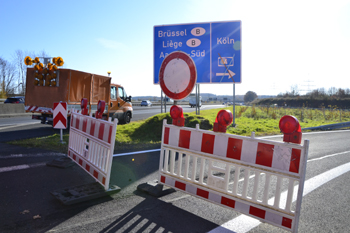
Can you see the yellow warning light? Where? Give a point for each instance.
(36, 82)
(28, 61)
(41, 65)
(49, 66)
(54, 67)
(59, 61)
(53, 83)
(54, 60)
(47, 83)
(36, 60)
(37, 67)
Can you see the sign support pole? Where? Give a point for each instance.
(196, 99)
(161, 101)
(234, 106)
(199, 94)
(61, 137)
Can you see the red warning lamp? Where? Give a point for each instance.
(290, 127)
(83, 106)
(177, 115)
(223, 119)
(100, 109)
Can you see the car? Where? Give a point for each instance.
(14, 100)
(146, 103)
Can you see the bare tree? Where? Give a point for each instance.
(21, 68)
(294, 90)
(18, 60)
(347, 91)
(43, 53)
(7, 77)
(332, 91)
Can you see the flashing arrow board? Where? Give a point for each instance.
(214, 47)
(60, 115)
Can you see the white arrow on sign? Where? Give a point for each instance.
(60, 115)
(230, 74)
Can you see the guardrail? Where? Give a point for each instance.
(330, 126)
(11, 109)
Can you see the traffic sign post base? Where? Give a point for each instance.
(155, 189)
(81, 193)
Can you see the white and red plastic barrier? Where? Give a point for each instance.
(91, 144)
(241, 173)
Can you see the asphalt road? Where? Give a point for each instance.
(27, 205)
(141, 113)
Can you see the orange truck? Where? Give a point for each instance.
(71, 86)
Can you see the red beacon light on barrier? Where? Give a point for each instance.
(290, 127)
(223, 119)
(83, 105)
(100, 109)
(177, 115)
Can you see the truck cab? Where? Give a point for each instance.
(120, 104)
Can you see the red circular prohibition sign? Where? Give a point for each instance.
(192, 76)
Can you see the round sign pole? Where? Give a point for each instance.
(161, 101)
(234, 106)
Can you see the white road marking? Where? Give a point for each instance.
(136, 152)
(327, 156)
(318, 132)
(13, 126)
(244, 223)
(31, 155)
(21, 167)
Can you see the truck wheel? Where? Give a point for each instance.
(127, 118)
(68, 123)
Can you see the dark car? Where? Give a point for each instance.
(15, 100)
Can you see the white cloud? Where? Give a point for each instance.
(111, 44)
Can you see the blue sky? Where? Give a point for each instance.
(284, 43)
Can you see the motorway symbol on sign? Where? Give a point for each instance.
(60, 115)
(177, 75)
(204, 43)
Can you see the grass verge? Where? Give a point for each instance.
(146, 134)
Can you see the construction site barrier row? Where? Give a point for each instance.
(91, 145)
(242, 173)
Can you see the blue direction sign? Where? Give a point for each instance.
(214, 47)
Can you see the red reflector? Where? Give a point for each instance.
(176, 112)
(289, 124)
(224, 117)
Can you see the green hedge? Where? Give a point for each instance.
(301, 101)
